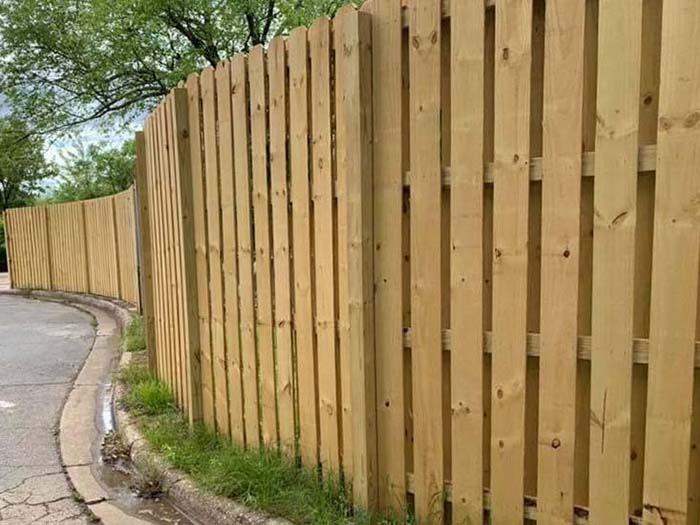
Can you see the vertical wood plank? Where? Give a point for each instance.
(674, 286)
(239, 88)
(301, 234)
(354, 157)
(615, 196)
(388, 159)
(187, 263)
(201, 247)
(228, 378)
(144, 238)
(467, 32)
(263, 263)
(510, 257)
(322, 195)
(277, 71)
(426, 292)
(213, 205)
(561, 198)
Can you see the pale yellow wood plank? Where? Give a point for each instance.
(615, 196)
(201, 249)
(353, 84)
(510, 258)
(241, 139)
(227, 361)
(190, 352)
(388, 259)
(674, 286)
(175, 233)
(213, 207)
(426, 296)
(322, 195)
(144, 234)
(277, 71)
(561, 188)
(263, 262)
(467, 32)
(301, 235)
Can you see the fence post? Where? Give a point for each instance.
(354, 123)
(189, 266)
(143, 236)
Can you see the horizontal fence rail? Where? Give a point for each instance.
(447, 249)
(84, 247)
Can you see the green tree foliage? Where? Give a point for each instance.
(22, 164)
(66, 62)
(94, 171)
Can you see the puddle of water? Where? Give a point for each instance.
(117, 478)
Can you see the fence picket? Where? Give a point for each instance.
(277, 72)
(241, 139)
(615, 197)
(674, 287)
(561, 187)
(301, 235)
(426, 292)
(466, 280)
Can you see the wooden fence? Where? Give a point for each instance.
(446, 248)
(87, 247)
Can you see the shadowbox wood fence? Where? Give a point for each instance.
(85, 247)
(448, 249)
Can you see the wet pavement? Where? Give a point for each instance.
(42, 348)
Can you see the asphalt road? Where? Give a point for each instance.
(42, 348)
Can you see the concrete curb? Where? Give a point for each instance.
(79, 430)
(179, 487)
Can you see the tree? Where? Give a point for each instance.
(22, 164)
(95, 171)
(65, 62)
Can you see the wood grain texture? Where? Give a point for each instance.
(510, 257)
(674, 286)
(561, 188)
(301, 234)
(426, 293)
(241, 141)
(466, 277)
(615, 199)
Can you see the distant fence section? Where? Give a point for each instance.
(85, 247)
(448, 249)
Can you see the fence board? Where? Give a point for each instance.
(277, 71)
(388, 257)
(354, 167)
(241, 138)
(301, 235)
(466, 279)
(561, 187)
(674, 287)
(615, 196)
(322, 197)
(201, 248)
(143, 196)
(263, 263)
(228, 374)
(510, 257)
(213, 202)
(426, 302)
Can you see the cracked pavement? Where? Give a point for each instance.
(42, 347)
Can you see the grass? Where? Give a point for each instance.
(134, 339)
(262, 479)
